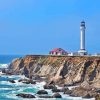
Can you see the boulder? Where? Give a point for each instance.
(97, 97)
(4, 70)
(21, 80)
(8, 73)
(70, 84)
(78, 92)
(12, 81)
(36, 77)
(51, 83)
(45, 97)
(87, 96)
(98, 91)
(67, 91)
(83, 92)
(57, 95)
(32, 82)
(56, 90)
(25, 95)
(42, 92)
(59, 90)
(27, 81)
(64, 89)
(49, 86)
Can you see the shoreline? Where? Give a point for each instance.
(40, 86)
(62, 70)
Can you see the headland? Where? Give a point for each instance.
(80, 71)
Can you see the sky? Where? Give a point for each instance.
(38, 26)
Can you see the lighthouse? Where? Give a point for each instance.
(82, 50)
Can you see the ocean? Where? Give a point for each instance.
(8, 91)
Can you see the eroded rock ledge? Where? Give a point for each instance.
(61, 69)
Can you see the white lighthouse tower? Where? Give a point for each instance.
(82, 51)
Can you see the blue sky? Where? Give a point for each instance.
(38, 26)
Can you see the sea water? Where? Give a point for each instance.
(8, 91)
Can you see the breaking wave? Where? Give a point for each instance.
(3, 65)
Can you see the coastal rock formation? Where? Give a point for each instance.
(26, 95)
(61, 69)
(97, 97)
(60, 90)
(12, 81)
(27, 81)
(49, 86)
(82, 92)
(56, 95)
(42, 92)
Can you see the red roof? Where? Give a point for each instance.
(59, 50)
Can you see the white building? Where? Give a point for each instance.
(82, 50)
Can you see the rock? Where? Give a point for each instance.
(25, 95)
(64, 89)
(59, 90)
(49, 86)
(86, 85)
(78, 91)
(28, 81)
(98, 91)
(12, 81)
(36, 77)
(4, 70)
(42, 92)
(51, 83)
(45, 97)
(57, 95)
(21, 80)
(56, 90)
(32, 82)
(67, 91)
(83, 92)
(61, 69)
(66, 85)
(26, 72)
(87, 96)
(97, 97)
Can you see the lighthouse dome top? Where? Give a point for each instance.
(83, 23)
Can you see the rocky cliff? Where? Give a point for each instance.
(61, 69)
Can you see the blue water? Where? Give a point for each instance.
(5, 59)
(9, 90)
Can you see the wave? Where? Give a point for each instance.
(74, 98)
(3, 65)
(9, 90)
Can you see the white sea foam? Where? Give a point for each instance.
(19, 87)
(17, 76)
(74, 98)
(3, 65)
(39, 85)
(70, 87)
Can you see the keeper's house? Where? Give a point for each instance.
(58, 51)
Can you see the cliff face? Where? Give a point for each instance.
(61, 69)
